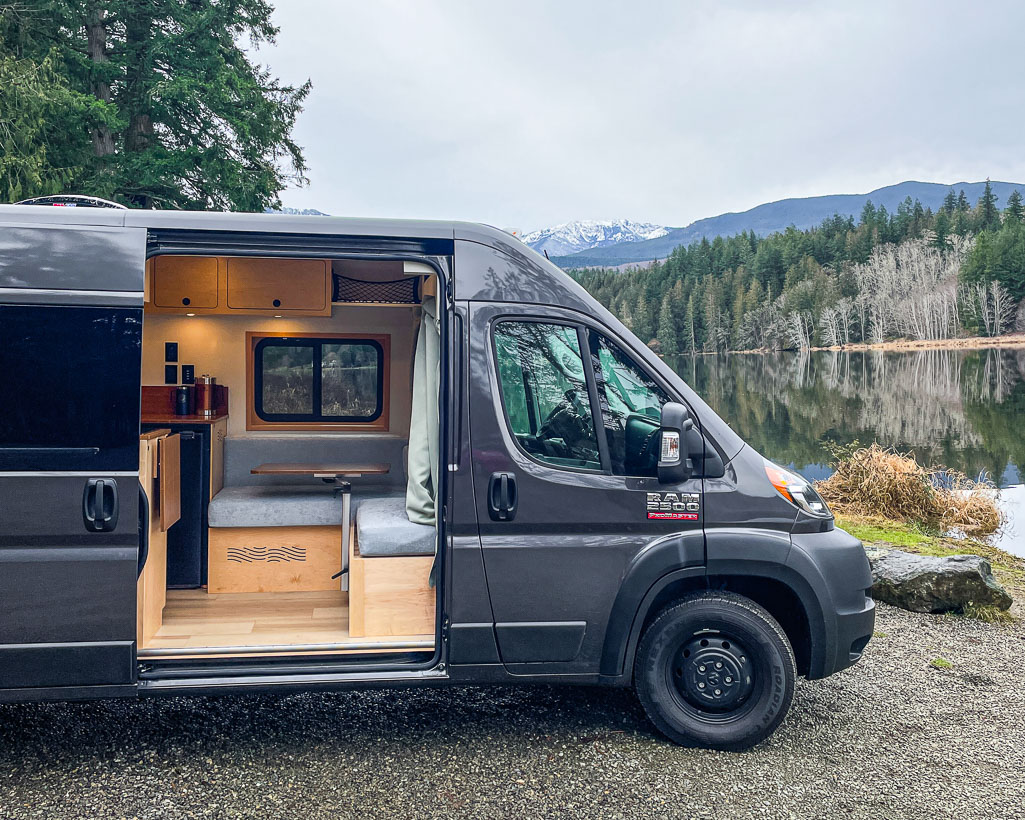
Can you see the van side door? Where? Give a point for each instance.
(70, 354)
(565, 432)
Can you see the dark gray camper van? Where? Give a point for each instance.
(276, 453)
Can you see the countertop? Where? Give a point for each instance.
(170, 418)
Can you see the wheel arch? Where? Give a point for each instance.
(783, 591)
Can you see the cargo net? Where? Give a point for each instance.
(398, 291)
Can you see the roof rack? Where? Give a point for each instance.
(71, 201)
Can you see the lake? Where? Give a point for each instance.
(963, 409)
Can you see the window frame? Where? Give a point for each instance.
(257, 420)
(604, 462)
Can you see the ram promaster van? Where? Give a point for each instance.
(247, 452)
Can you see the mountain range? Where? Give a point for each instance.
(802, 213)
(572, 237)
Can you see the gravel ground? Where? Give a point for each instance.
(892, 737)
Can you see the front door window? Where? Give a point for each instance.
(544, 391)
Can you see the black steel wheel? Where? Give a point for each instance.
(715, 670)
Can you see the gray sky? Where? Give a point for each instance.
(528, 114)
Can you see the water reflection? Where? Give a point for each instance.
(962, 409)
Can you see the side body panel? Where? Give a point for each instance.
(70, 352)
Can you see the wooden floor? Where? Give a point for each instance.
(194, 618)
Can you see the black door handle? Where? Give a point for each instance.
(100, 505)
(502, 496)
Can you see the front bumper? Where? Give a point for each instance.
(836, 567)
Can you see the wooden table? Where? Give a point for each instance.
(337, 473)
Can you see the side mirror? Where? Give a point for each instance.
(674, 464)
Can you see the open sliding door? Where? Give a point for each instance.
(70, 346)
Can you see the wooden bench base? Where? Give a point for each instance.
(274, 559)
(389, 595)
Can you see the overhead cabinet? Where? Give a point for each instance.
(188, 283)
(279, 285)
(224, 285)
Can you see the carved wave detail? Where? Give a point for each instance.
(268, 555)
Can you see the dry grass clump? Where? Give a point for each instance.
(873, 481)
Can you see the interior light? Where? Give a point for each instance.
(190, 314)
(277, 315)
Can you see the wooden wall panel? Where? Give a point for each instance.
(274, 559)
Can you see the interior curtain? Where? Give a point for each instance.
(424, 424)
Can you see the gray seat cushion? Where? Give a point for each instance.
(284, 506)
(382, 528)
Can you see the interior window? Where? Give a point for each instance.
(318, 379)
(631, 408)
(541, 375)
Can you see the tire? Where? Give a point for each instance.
(695, 702)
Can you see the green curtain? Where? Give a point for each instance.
(423, 460)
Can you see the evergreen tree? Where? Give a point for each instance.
(36, 109)
(176, 114)
(988, 213)
(1015, 211)
(667, 336)
(949, 203)
(941, 228)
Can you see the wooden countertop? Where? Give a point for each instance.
(170, 418)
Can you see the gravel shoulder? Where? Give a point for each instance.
(892, 737)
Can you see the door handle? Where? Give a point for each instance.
(100, 505)
(502, 496)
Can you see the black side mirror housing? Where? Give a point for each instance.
(674, 462)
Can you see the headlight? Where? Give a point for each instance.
(796, 490)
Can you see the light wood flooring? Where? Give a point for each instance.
(194, 618)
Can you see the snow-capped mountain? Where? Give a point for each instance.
(583, 235)
(295, 211)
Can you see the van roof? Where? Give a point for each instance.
(259, 222)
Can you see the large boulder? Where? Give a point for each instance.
(925, 583)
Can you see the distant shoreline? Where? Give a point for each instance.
(967, 343)
(964, 343)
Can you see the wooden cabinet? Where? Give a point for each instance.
(285, 286)
(156, 481)
(253, 285)
(188, 283)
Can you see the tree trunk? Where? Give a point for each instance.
(139, 136)
(96, 39)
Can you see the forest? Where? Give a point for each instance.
(913, 274)
(155, 104)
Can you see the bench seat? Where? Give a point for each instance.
(383, 529)
(290, 506)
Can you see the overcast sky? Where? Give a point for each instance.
(528, 114)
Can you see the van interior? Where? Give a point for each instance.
(288, 457)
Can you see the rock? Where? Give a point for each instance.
(925, 583)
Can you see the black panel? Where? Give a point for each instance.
(71, 380)
(557, 641)
(86, 664)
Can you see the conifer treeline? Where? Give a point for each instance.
(914, 272)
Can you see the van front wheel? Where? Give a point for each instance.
(715, 670)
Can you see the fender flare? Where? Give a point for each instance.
(671, 559)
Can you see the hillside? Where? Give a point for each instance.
(905, 273)
(803, 213)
